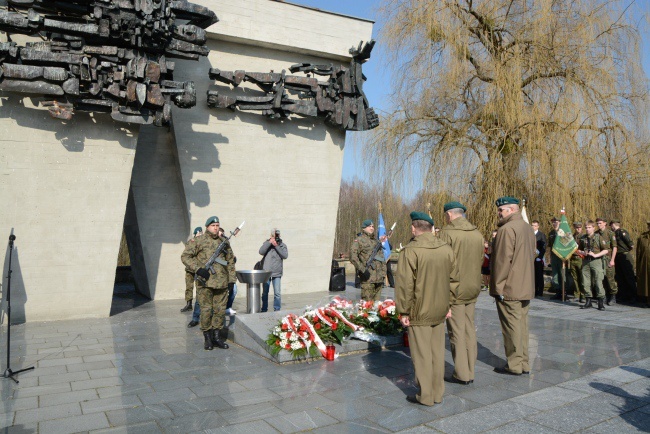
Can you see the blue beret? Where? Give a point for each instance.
(454, 205)
(366, 223)
(416, 215)
(507, 200)
(213, 219)
(198, 229)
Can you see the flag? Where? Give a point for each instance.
(380, 233)
(565, 245)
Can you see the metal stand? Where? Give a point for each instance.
(563, 279)
(8, 372)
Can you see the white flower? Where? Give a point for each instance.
(277, 331)
(283, 336)
(294, 337)
(373, 318)
(391, 310)
(283, 343)
(296, 345)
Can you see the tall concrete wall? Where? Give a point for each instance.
(63, 191)
(244, 166)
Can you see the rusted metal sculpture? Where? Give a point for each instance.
(340, 99)
(104, 55)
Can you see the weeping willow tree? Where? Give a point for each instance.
(543, 99)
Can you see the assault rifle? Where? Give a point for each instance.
(215, 256)
(371, 259)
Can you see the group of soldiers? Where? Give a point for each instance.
(438, 281)
(602, 269)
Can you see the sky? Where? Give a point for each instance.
(377, 87)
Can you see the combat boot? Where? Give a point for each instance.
(187, 307)
(208, 341)
(601, 304)
(587, 304)
(216, 340)
(611, 299)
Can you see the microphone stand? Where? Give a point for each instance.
(8, 372)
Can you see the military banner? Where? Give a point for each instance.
(565, 245)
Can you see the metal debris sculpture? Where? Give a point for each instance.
(340, 100)
(104, 55)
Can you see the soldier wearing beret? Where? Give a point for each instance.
(556, 262)
(467, 243)
(611, 288)
(371, 277)
(425, 270)
(189, 276)
(575, 266)
(213, 294)
(643, 266)
(624, 262)
(512, 282)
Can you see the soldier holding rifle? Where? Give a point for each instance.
(368, 259)
(214, 276)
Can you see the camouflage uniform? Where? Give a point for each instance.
(189, 280)
(213, 294)
(611, 288)
(372, 280)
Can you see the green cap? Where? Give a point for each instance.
(213, 219)
(198, 229)
(507, 200)
(416, 215)
(577, 224)
(454, 205)
(617, 221)
(366, 223)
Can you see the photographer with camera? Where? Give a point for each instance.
(274, 251)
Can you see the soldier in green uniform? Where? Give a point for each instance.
(592, 247)
(213, 294)
(575, 266)
(611, 288)
(624, 262)
(189, 276)
(371, 277)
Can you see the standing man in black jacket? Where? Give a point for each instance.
(540, 240)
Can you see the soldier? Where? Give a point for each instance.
(189, 276)
(592, 247)
(512, 283)
(540, 240)
(556, 263)
(422, 289)
(467, 243)
(624, 262)
(643, 266)
(575, 266)
(611, 288)
(213, 294)
(363, 247)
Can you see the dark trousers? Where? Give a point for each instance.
(389, 274)
(625, 275)
(539, 278)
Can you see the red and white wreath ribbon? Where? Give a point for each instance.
(334, 312)
(314, 336)
(320, 313)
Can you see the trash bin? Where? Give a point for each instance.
(253, 279)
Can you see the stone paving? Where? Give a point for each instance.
(142, 370)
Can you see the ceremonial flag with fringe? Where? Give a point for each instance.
(565, 245)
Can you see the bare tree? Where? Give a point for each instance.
(545, 99)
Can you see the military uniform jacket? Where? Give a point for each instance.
(360, 251)
(197, 253)
(423, 283)
(623, 241)
(597, 243)
(609, 237)
(512, 262)
(191, 240)
(575, 259)
(467, 243)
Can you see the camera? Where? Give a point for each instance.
(588, 247)
(277, 237)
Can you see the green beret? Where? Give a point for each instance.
(366, 223)
(577, 224)
(198, 229)
(416, 215)
(213, 219)
(507, 200)
(454, 205)
(554, 219)
(617, 221)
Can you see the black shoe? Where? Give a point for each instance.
(611, 300)
(453, 379)
(525, 372)
(582, 299)
(504, 370)
(216, 340)
(557, 296)
(192, 324)
(601, 305)
(207, 345)
(187, 307)
(413, 399)
(587, 304)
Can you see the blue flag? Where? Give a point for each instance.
(380, 233)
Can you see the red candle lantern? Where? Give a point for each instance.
(330, 351)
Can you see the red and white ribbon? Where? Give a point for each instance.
(314, 336)
(334, 312)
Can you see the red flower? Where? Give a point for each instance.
(277, 342)
(365, 314)
(303, 328)
(288, 335)
(382, 313)
(288, 346)
(316, 319)
(335, 326)
(317, 326)
(351, 316)
(284, 327)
